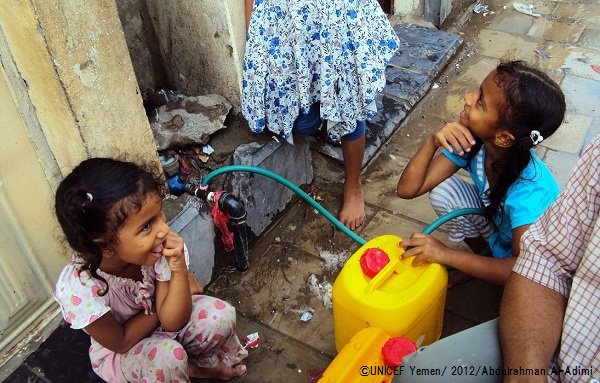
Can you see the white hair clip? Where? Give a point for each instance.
(90, 197)
(536, 137)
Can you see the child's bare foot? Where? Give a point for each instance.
(352, 214)
(221, 372)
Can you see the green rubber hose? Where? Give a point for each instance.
(356, 238)
(292, 187)
(451, 215)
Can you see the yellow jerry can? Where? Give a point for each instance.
(361, 360)
(403, 300)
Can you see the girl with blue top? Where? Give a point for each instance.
(513, 110)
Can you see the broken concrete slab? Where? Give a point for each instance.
(265, 198)
(424, 50)
(189, 121)
(191, 219)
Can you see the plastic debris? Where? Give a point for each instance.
(251, 341)
(435, 85)
(334, 261)
(526, 9)
(596, 68)
(481, 8)
(207, 149)
(307, 315)
(322, 291)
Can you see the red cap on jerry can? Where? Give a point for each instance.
(395, 349)
(373, 260)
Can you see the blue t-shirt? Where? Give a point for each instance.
(525, 200)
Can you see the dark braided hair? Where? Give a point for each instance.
(533, 101)
(95, 199)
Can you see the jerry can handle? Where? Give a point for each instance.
(384, 274)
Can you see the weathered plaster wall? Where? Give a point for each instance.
(68, 92)
(37, 88)
(25, 200)
(201, 43)
(142, 43)
(90, 56)
(408, 7)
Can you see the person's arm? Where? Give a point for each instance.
(427, 249)
(530, 326)
(249, 4)
(173, 297)
(424, 171)
(120, 338)
(552, 251)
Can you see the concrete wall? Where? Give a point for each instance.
(201, 44)
(142, 43)
(90, 57)
(69, 93)
(408, 7)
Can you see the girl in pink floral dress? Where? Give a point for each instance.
(129, 286)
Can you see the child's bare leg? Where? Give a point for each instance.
(221, 372)
(352, 214)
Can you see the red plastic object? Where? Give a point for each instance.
(373, 260)
(395, 349)
(251, 341)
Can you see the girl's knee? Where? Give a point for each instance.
(453, 193)
(225, 313)
(440, 201)
(172, 353)
(205, 307)
(165, 360)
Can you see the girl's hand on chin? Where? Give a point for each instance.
(455, 138)
(173, 251)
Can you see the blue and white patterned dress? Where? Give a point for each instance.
(299, 52)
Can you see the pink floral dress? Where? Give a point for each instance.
(208, 339)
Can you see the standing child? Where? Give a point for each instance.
(128, 286)
(514, 109)
(307, 61)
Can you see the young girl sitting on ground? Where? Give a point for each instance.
(128, 286)
(514, 109)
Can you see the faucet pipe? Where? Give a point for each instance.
(289, 185)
